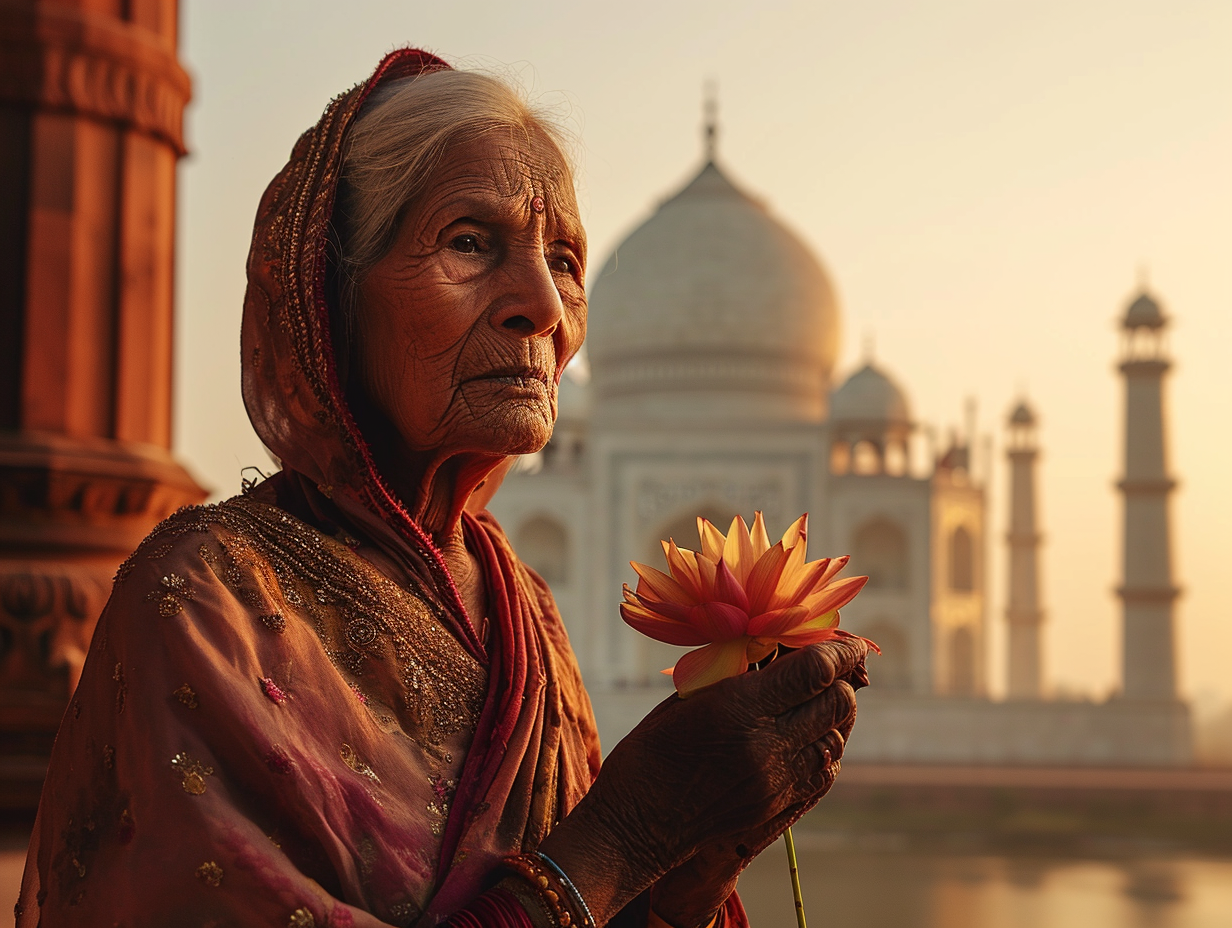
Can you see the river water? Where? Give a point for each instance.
(888, 887)
(885, 887)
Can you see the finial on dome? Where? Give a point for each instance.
(710, 113)
(870, 344)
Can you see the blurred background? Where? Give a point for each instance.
(896, 264)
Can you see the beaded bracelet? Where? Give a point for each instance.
(557, 892)
(588, 920)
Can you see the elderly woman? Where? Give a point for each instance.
(341, 699)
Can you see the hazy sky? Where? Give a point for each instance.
(985, 182)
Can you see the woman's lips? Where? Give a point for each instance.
(532, 382)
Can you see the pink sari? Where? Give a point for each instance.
(287, 716)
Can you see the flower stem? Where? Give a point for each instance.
(794, 869)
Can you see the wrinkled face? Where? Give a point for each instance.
(466, 323)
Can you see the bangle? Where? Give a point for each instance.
(555, 890)
(588, 920)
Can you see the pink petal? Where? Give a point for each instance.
(659, 628)
(727, 588)
(710, 664)
(719, 621)
(777, 623)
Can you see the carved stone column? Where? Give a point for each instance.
(91, 103)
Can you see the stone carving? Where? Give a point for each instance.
(47, 615)
(58, 59)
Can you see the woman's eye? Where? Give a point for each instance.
(466, 244)
(561, 265)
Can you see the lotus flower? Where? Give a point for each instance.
(740, 597)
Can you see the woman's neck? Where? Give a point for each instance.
(435, 489)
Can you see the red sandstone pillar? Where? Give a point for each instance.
(91, 103)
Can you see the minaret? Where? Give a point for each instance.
(1024, 614)
(1147, 592)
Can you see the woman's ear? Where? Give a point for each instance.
(483, 493)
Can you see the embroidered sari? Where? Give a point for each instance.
(287, 716)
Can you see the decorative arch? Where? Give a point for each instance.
(962, 662)
(962, 560)
(879, 549)
(891, 670)
(543, 545)
(866, 458)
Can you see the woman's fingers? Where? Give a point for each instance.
(829, 709)
(801, 675)
(817, 765)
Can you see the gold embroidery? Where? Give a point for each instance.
(443, 790)
(274, 621)
(108, 756)
(192, 773)
(356, 763)
(210, 873)
(392, 637)
(175, 591)
(186, 695)
(121, 687)
(301, 918)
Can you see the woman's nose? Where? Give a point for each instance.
(534, 306)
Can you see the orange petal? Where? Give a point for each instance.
(727, 588)
(710, 664)
(758, 537)
(683, 565)
(777, 623)
(835, 596)
(707, 570)
(836, 564)
(760, 649)
(799, 579)
(764, 578)
(674, 612)
(655, 626)
(738, 550)
(806, 634)
(712, 539)
(797, 533)
(660, 585)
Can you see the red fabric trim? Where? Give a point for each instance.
(494, 909)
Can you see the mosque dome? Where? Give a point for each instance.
(1022, 414)
(870, 397)
(712, 310)
(1144, 312)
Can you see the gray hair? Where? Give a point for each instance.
(395, 146)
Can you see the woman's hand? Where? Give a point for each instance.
(730, 762)
(692, 893)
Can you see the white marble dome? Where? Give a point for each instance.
(712, 311)
(870, 396)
